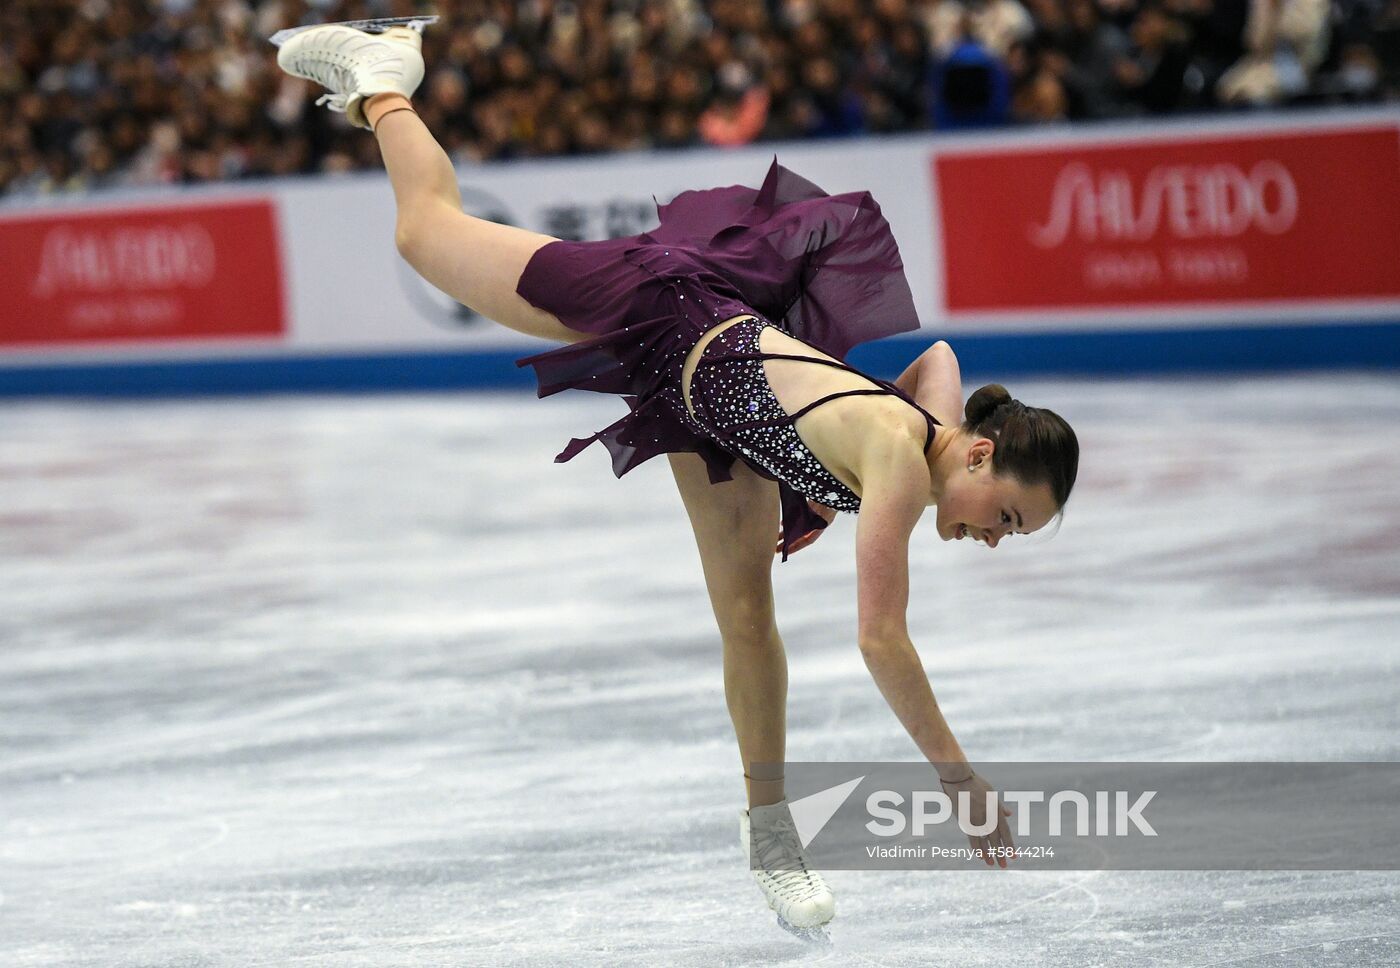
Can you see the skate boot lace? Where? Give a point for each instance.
(338, 79)
(336, 102)
(779, 852)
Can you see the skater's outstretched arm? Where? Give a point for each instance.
(895, 485)
(891, 505)
(893, 498)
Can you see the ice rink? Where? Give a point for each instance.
(370, 681)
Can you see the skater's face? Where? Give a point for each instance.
(987, 507)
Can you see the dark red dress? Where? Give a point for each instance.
(823, 268)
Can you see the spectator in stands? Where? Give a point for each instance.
(1152, 73)
(1358, 77)
(1216, 29)
(1385, 42)
(993, 24)
(1042, 99)
(740, 109)
(829, 107)
(1092, 47)
(970, 87)
(1285, 41)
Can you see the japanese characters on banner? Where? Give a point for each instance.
(1198, 220)
(154, 273)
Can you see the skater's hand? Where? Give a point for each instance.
(825, 513)
(999, 840)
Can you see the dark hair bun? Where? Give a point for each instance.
(1033, 445)
(984, 402)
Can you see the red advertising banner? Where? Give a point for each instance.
(1197, 220)
(198, 271)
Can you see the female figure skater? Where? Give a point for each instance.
(725, 328)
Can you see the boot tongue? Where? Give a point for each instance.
(774, 837)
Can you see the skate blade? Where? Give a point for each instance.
(817, 937)
(368, 26)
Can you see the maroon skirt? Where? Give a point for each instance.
(824, 268)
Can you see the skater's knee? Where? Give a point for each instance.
(747, 621)
(753, 644)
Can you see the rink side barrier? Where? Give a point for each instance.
(1146, 352)
(1216, 245)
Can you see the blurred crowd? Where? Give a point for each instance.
(121, 92)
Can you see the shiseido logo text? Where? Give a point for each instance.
(1184, 201)
(125, 259)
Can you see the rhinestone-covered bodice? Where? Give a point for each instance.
(735, 407)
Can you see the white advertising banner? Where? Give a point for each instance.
(1159, 226)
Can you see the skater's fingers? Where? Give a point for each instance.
(828, 514)
(998, 849)
(1007, 841)
(979, 849)
(798, 543)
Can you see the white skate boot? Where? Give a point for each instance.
(796, 893)
(354, 65)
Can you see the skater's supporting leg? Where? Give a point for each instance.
(734, 524)
(474, 261)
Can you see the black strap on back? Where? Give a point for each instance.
(841, 393)
(885, 388)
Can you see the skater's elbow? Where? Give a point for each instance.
(879, 648)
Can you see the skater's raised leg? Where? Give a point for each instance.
(474, 261)
(371, 78)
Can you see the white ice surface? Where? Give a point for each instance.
(370, 681)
